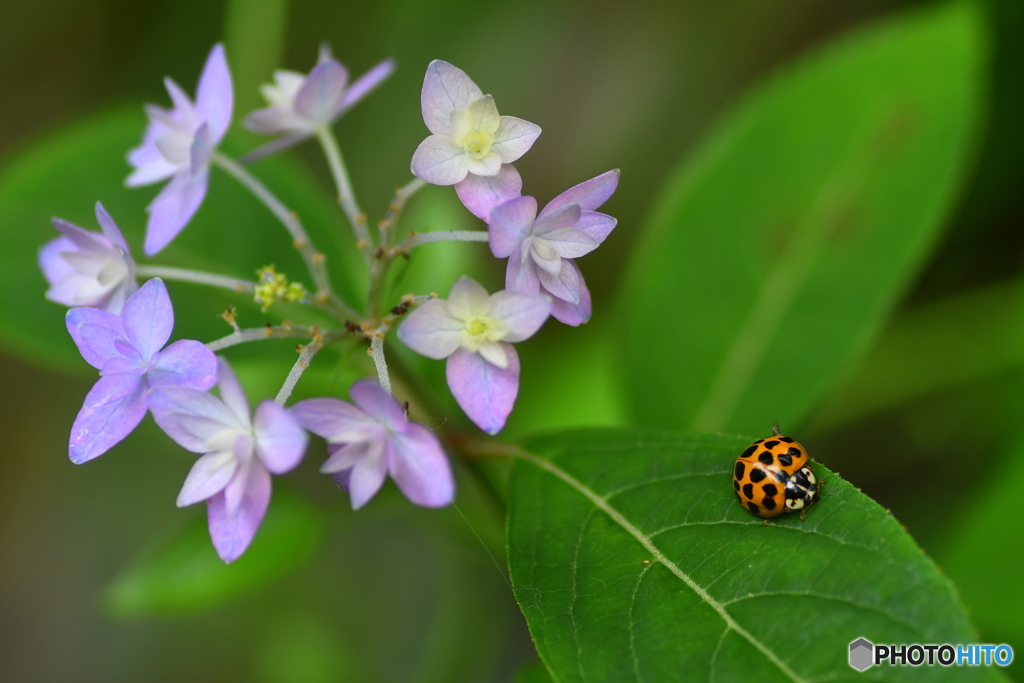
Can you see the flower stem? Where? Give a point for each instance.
(415, 239)
(315, 261)
(377, 353)
(346, 196)
(305, 356)
(402, 195)
(270, 332)
(198, 277)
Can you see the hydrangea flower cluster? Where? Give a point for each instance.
(122, 329)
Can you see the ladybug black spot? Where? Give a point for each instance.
(757, 475)
(770, 491)
(786, 439)
(735, 484)
(750, 451)
(794, 453)
(766, 458)
(768, 503)
(752, 506)
(786, 460)
(740, 469)
(748, 491)
(771, 444)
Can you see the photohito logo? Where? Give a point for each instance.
(864, 654)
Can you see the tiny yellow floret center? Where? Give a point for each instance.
(477, 327)
(478, 143)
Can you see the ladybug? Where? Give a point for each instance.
(772, 476)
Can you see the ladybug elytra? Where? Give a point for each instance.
(772, 477)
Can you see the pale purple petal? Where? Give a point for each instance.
(485, 393)
(280, 441)
(345, 456)
(597, 225)
(481, 194)
(362, 86)
(232, 533)
(522, 312)
(376, 402)
(439, 161)
(201, 149)
(510, 223)
(195, 420)
(571, 242)
(207, 478)
(514, 138)
(98, 428)
(565, 217)
(273, 120)
(564, 285)
(321, 93)
(214, 95)
(589, 194)
(573, 313)
(445, 89)
(431, 330)
(95, 333)
(521, 275)
(231, 392)
(368, 474)
(488, 166)
(421, 469)
(235, 491)
(148, 318)
(113, 387)
(335, 420)
(185, 363)
(149, 172)
(183, 112)
(174, 207)
(53, 266)
(467, 298)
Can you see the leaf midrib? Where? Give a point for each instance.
(620, 519)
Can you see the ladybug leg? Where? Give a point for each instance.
(802, 512)
(767, 521)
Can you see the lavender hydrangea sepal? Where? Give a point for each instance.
(177, 144)
(485, 392)
(468, 136)
(86, 268)
(481, 194)
(373, 438)
(126, 349)
(474, 331)
(301, 103)
(239, 455)
(541, 246)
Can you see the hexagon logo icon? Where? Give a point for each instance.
(861, 651)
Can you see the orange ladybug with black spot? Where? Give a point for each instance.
(772, 477)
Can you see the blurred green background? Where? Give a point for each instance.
(928, 424)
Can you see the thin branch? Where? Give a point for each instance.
(198, 277)
(270, 332)
(305, 356)
(415, 239)
(377, 353)
(346, 196)
(315, 261)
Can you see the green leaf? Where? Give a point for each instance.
(774, 255)
(185, 575)
(984, 551)
(66, 173)
(934, 347)
(632, 560)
